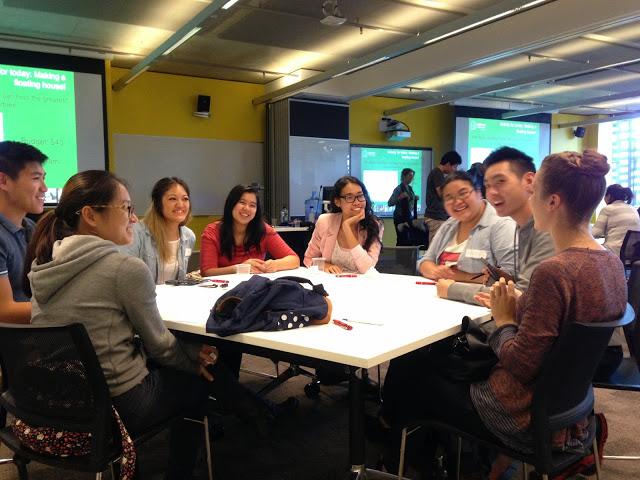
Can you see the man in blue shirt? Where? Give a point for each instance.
(22, 190)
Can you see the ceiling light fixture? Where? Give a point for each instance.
(332, 15)
(484, 21)
(229, 4)
(360, 67)
(190, 34)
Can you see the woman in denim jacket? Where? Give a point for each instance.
(473, 234)
(161, 240)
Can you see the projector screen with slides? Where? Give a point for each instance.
(380, 169)
(54, 103)
(476, 138)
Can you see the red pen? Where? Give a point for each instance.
(346, 275)
(341, 324)
(425, 283)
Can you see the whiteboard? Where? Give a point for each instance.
(314, 162)
(210, 167)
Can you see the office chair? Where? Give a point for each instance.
(563, 395)
(630, 250)
(627, 375)
(398, 260)
(52, 378)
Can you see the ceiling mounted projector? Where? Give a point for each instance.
(332, 15)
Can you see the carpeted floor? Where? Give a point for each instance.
(312, 444)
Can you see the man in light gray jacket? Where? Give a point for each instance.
(508, 180)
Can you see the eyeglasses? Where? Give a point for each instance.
(459, 196)
(350, 198)
(128, 207)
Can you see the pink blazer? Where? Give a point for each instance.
(324, 238)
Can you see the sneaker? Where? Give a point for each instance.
(587, 466)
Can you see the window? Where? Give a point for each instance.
(620, 142)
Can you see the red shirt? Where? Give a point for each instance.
(211, 255)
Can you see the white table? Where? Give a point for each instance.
(402, 316)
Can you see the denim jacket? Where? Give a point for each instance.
(491, 239)
(144, 247)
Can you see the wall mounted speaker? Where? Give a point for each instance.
(579, 132)
(203, 106)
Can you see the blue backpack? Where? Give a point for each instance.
(268, 305)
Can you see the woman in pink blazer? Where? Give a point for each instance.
(350, 238)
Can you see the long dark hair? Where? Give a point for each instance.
(618, 192)
(91, 187)
(255, 228)
(154, 218)
(370, 222)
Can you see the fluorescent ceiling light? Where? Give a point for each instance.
(360, 67)
(484, 21)
(182, 40)
(229, 4)
(131, 79)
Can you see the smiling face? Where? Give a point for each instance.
(26, 192)
(175, 204)
(245, 210)
(507, 191)
(351, 191)
(114, 223)
(461, 200)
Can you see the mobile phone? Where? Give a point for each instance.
(495, 272)
(186, 281)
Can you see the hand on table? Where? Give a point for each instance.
(442, 287)
(332, 268)
(270, 266)
(442, 271)
(503, 302)
(207, 356)
(257, 265)
(483, 298)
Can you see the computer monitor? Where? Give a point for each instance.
(327, 192)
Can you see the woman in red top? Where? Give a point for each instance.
(243, 237)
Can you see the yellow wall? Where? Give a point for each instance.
(162, 105)
(563, 139)
(430, 127)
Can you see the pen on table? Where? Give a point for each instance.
(477, 276)
(346, 275)
(341, 324)
(425, 283)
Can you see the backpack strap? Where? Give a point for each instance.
(318, 288)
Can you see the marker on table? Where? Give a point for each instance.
(341, 324)
(346, 275)
(425, 283)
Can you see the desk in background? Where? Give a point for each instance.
(393, 327)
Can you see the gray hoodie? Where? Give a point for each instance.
(91, 282)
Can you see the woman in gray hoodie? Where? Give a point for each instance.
(79, 275)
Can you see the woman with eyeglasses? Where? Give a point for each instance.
(349, 238)
(473, 234)
(242, 236)
(78, 274)
(162, 240)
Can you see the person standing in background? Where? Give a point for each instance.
(404, 199)
(435, 214)
(617, 218)
(22, 190)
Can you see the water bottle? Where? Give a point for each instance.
(311, 203)
(312, 215)
(284, 215)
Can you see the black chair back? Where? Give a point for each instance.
(399, 260)
(632, 331)
(630, 250)
(52, 377)
(563, 393)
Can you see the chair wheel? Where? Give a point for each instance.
(312, 390)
